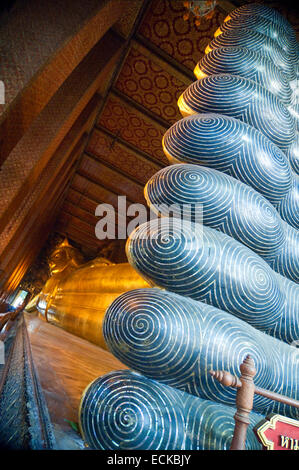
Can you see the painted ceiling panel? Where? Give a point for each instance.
(71, 228)
(88, 205)
(91, 194)
(77, 211)
(111, 179)
(69, 220)
(77, 198)
(108, 150)
(123, 120)
(143, 80)
(165, 27)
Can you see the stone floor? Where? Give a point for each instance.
(65, 365)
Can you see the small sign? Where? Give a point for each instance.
(278, 432)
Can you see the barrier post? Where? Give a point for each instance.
(244, 403)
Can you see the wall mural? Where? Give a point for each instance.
(228, 287)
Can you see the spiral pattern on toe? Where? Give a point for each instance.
(287, 261)
(293, 154)
(124, 410)
(294, 112)
(247, 64)
(264, 11)
(257, 42)
(193, 338)
(233, 147)
(264, 26)
(212, 416)
(118, 412)
(242, 99)
(228, 206)
(204, 264)
(288, 327)
(289, 206)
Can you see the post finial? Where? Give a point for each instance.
(247, 367)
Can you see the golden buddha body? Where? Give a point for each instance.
(77, 294)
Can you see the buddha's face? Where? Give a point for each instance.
(65, 256)
(58, 261)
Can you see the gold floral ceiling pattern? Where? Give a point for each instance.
(165, 27)
(145, 82)
(133, 127)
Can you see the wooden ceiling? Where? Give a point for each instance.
(124, 147)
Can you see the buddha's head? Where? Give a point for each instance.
(63, 257)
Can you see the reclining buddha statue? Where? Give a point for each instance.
(77, 294)
(223, 288)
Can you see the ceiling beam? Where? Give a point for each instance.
(133, 109)
(74, 229)
(154, 117)
(165, 61)
(126, 187)
(66, 219)
(93, 182)
(79, 198)
(77, 203)
(115, 168)
(73, 234)
(128, 146)
(125, 50)
(86, 216)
